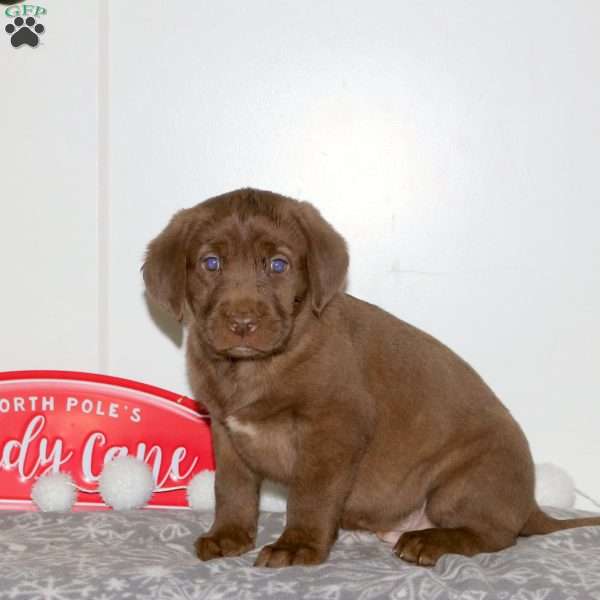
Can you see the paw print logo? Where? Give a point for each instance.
(24, 32)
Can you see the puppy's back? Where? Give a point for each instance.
(403, 364)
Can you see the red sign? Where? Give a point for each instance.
(53, 421)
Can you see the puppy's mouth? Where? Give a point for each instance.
(243, 352)
(250, 348)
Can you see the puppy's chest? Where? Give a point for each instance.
(266, 445)
(262, 430)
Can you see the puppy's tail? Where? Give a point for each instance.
(539, 523)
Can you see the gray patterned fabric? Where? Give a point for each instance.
(149, 554)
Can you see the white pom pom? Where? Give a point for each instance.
(554, 486)
(54, 492)
(126, 482)
(273, 497)
(201, 494)
(201, 491)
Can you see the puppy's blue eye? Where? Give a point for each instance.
(278, 265)
(212, 263)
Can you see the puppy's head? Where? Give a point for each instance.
(242, 266)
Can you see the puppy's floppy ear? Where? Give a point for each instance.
(165, 267)
(327, 260)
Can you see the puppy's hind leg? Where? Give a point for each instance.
(479, 508)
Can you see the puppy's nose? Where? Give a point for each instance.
(242, 325)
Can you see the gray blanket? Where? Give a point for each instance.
(149, 554)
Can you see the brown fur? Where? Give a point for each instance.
(365, 418)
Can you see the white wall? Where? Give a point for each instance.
(49, 192)
(454, 144)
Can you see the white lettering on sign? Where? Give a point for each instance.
(96, 452)
(100, 408)
(18, 453)
(25, 404)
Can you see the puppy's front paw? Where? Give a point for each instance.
(230, 541)
(296, 546)
(285, 553)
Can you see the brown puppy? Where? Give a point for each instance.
(371, 423)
